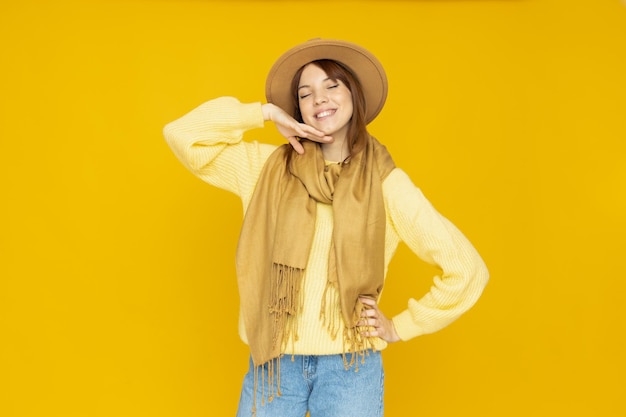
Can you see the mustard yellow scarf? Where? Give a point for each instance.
(277, 233)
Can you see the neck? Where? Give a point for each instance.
(337, 151)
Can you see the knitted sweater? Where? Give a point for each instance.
(208, 141)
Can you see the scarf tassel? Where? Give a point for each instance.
(356, 345)
(285, 302)
(270, 382)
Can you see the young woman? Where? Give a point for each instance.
(324, 215)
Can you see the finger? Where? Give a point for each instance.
(373, 333)
(311, 133)
(309, 130)
(370, 322)
(370, 312)
(316, 138)
(296, 144)
(367, 301)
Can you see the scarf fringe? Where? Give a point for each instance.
(285, 302)
(359, 347)
(356, 346)
(330, 311)
(270, 378)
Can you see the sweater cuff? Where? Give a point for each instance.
(251, 115)
(406, 327)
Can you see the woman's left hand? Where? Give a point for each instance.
(382, 326)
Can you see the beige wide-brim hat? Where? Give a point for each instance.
(367, 69)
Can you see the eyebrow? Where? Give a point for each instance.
(308, 86)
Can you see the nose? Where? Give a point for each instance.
(320, 98)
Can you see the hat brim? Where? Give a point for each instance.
(361, 62)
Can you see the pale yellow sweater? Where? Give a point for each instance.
(208, 141)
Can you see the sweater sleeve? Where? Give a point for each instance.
(208, 141)
(437, 241)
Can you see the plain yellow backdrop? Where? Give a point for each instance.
(117, 288)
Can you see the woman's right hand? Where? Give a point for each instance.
(292, 129)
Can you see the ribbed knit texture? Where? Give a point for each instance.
(208, 141)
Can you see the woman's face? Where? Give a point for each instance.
(324, 104)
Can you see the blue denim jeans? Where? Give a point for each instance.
(320, 385)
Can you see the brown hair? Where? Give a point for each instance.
(357, 129)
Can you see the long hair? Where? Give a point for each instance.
(357, 129)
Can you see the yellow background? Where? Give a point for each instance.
(117, 290)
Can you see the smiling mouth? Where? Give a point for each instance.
(325, 113)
